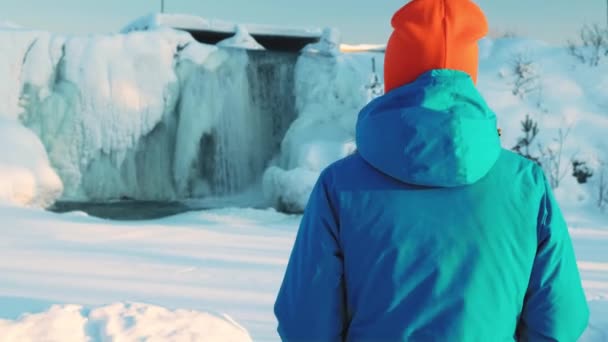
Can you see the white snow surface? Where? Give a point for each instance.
(228, 261)
(121, 322)
(192, 22)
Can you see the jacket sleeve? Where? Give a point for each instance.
(311, 302)
(555, 308)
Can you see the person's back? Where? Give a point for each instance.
(431, 231)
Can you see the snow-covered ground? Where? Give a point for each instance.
(228, 261)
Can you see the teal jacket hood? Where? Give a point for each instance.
(436, 131)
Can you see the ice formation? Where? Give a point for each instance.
(148, 115)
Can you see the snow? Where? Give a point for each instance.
(121, 322)
(224, 261)
(26, 176)
(227, 261)
(241, 39)
(288, 190)
(193, 23)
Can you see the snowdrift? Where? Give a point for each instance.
(122, 322)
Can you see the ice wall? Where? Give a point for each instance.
(148, 115)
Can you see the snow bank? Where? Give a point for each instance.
(26, 177)
(121, 322)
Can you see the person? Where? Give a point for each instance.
(431, 231)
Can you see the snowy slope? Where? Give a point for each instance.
(229, 261)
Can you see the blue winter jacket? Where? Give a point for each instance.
(432, 232)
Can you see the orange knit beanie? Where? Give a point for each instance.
(433, 34)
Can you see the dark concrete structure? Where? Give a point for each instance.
(272, 42)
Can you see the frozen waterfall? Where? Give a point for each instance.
(149, 115)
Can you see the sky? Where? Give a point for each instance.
(360, 21)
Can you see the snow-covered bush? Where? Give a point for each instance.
(602, 185)
(581, 171)
(552, 158)
(592, 47)
(526, 75)
(530, 130)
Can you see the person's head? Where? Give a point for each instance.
(433, 34)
